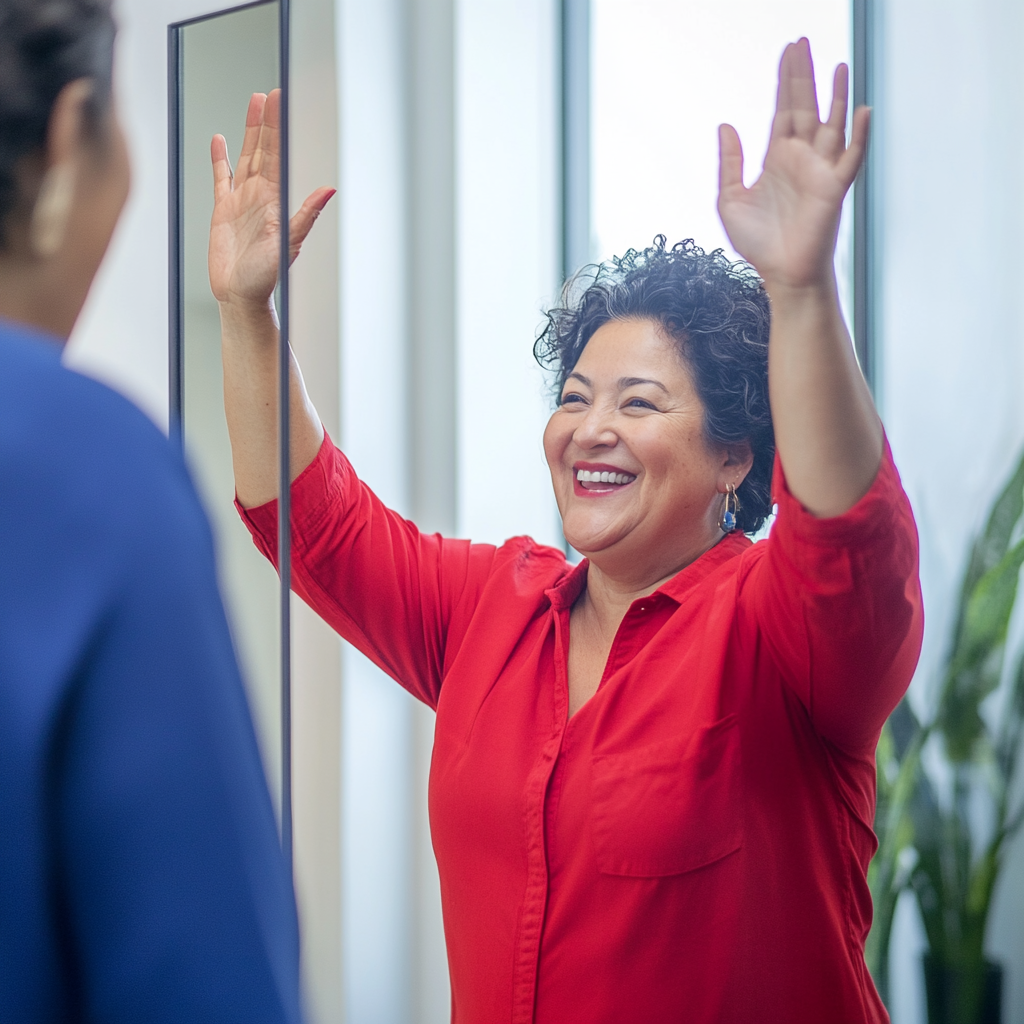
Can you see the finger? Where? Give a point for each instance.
(253, 123)
(730, 160)
(266, 160)
(782, 124)
(850, 162)
(840, 99)
(803, 96)
(830, 141)
(222, 175)
(305, 217)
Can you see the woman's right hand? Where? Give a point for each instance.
(245, 229)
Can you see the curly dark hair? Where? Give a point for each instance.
(45, 45)
(716, 311)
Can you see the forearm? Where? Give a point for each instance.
(826, 428)
(249, 349)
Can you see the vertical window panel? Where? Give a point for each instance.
(664, 75)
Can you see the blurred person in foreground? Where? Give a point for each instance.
(141, 878)
(653, 782)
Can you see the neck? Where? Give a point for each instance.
(40, 293)
(608, 594)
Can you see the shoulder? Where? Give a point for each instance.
(528, 555)
(76, 456)
(529, 568)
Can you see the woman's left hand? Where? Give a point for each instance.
(786, 223)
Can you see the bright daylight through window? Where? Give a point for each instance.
(664, 75)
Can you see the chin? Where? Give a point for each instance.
(589, 542)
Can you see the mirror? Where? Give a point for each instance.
(217, 63)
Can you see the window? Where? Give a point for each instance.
(663, 74)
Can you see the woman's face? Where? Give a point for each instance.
(639, 488)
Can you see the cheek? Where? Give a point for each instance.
(678, 460)
(557, 435)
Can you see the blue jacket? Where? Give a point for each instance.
(140, 874)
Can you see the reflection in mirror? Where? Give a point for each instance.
(222, 61)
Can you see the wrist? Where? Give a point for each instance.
(821, 291)
(248, 313)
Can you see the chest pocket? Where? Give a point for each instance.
(670, 807)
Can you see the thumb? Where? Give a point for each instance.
(305, 217)
(730, 159)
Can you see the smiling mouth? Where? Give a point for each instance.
(601, 481)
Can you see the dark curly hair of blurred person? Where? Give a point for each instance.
(717, 313)
(44, 46)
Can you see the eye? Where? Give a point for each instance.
(639, 403)
(571, 397)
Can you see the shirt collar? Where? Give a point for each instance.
(570, 586)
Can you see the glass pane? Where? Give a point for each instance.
(665, 74)
(225, 59)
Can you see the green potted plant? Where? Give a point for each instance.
(928, 823)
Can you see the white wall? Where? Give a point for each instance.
(377, 850)
(122, 335)
(950, 137)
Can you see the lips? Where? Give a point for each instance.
(593, 479)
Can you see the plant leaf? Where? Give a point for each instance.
(977, 660)
(994, 542)
(897, 760)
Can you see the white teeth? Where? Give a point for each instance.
(585, 476)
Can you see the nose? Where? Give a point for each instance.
(596, 430)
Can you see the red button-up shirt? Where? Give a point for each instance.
(691, 846)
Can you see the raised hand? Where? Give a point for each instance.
(246, 225)
(786, 223)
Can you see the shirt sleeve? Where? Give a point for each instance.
(838, 603)
(171, 885)
(400, 596)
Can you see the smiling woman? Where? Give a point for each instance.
(715, 316)
(652, 782)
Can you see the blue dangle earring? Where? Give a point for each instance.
(732, 506)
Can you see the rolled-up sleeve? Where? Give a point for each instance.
(838, 603)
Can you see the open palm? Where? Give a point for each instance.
(245, 230)
(786, 223)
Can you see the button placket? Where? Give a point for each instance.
(534, 906)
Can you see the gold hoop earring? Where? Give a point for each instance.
(52, 210)
(727, 522)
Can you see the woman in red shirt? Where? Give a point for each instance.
(652, 784)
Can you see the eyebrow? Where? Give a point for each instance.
(624, 382)
(629, 382)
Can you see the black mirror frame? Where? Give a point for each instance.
(176, 277)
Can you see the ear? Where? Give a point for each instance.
(64, 141)
(737, 460)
